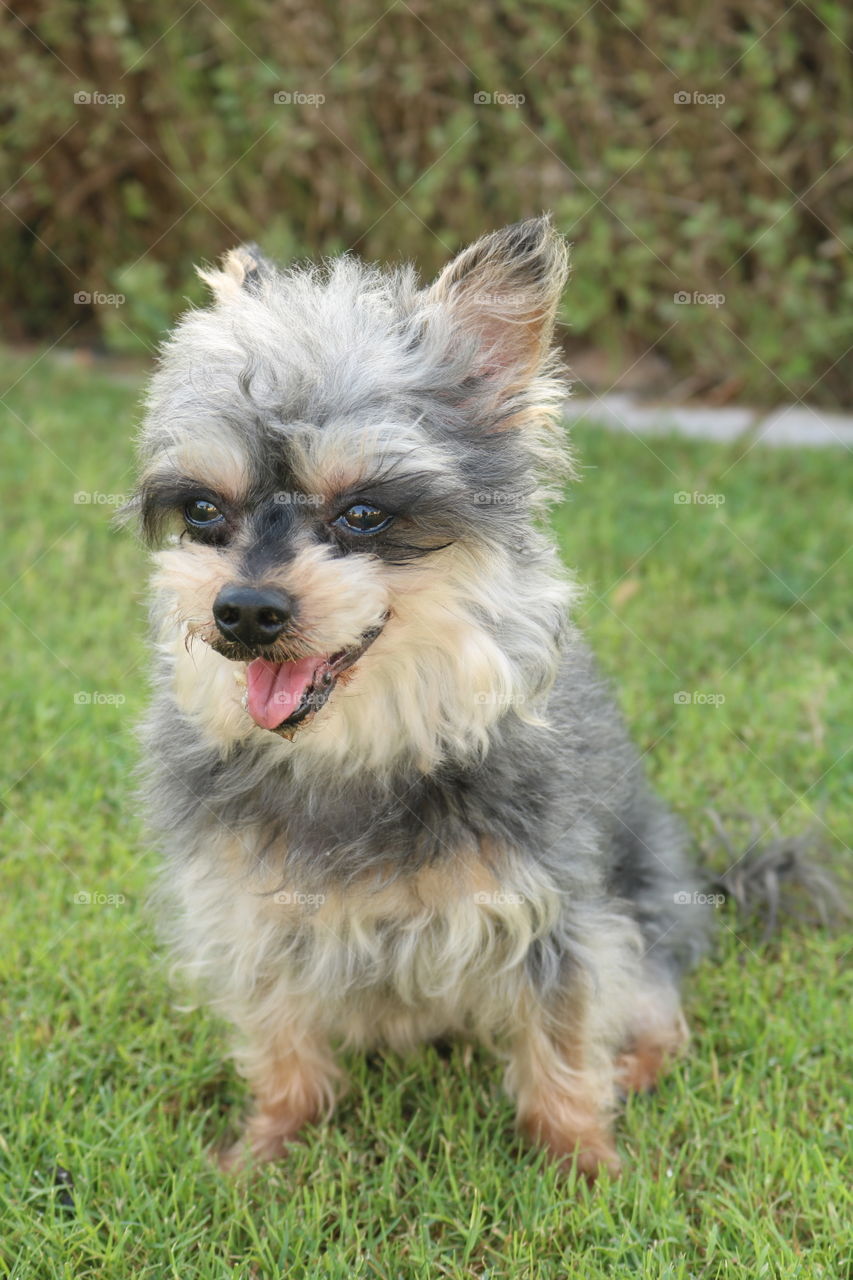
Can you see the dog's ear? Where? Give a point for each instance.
(241, 268)
(505, 288)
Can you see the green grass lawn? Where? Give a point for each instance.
(734, 1168)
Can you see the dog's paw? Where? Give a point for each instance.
(589, 1149)
(591, 1157)
(265, 1138)
(637, 1071)
(233, 1159)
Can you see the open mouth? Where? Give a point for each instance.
(282, 696)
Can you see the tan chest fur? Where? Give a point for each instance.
(391, 959)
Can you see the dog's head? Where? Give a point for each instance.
(349, 466)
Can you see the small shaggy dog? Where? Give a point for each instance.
(395, 798)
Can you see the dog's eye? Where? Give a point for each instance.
(363, 517)
(202, 514)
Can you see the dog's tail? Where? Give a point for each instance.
(779, 875)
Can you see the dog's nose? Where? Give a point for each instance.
(252, 616)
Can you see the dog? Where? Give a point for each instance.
(395, 798)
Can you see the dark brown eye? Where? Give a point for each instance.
(201, 514)
(363, 517)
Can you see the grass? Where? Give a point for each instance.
(734, 1168)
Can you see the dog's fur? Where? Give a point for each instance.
(461, 839)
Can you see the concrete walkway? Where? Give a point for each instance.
(795, 425)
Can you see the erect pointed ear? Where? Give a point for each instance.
(505, 289)
(241, 268)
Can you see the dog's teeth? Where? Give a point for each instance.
(240, 679)
(244, 701)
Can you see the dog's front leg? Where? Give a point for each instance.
(562, 1079)
(294, 1080)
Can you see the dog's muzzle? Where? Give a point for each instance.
(281, 693)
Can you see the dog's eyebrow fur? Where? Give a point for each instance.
(161, 495)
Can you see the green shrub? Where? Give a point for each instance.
(740, 198)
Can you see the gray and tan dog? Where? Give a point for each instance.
(396, 801)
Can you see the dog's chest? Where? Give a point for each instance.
(394, 959)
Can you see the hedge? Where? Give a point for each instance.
(689, 151)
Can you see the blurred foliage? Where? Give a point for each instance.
(742, 197)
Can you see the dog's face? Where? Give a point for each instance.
(348, 465)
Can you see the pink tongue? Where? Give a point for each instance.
(276, 688)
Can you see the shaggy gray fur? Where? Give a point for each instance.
(572, 796)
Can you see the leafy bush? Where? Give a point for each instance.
(661, 196)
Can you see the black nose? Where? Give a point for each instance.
(254, 617)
